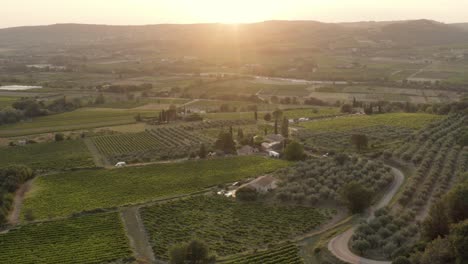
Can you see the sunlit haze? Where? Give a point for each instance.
(122, 12)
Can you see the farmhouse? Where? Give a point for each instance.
(273, 154)
(246, 150)
(263, 184)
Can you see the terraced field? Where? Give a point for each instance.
(91, 239)
(227, 226)
(61, 195)
(48, 156)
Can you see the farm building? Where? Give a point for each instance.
(262, 184)
(274, 154)
(274, 138)
(246, 150)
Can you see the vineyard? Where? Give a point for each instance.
(346, 123)
(156, 144)
(317, 180)
(439, 162)
(88, 239)
(48, 156)
(340, 141)
(217, 124)
(287, 254)
(60, 195)
(228, 227)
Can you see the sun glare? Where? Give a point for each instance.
(233, 11)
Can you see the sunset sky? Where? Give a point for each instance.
(122, 12)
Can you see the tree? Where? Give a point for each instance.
(59, 137)
(246, 194)
(194, 252)
(361, 245)
(277, 114)
(360, 141)
(202, 153)
(225, 143)
(356, 197)
(437, 222)
(457, 203)
(401, 260)
(240, 134)
(100, 99)
(459, 240)
(294, 151)
(276, 127)
(439, 251)
(138, 117)
(285, 127)
(256, 115)
(389, 248)
(463, 141)
(267, 117)
(341, 158)
(346, 108)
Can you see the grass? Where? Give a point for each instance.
(83, 118)
(404, 120)
(89, 239)
(61, 195)
(227, 226)
(45, 156)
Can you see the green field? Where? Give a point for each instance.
(48, 156)
(286, 254)
(311, 112)
(6, 101)
(79, 119)
(63, 194)
(405, 120)
(227, 226)
(93, 239)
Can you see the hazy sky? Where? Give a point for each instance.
(119, 12)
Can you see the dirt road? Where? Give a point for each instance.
(14, 216)
(137, 235)
(339, 244)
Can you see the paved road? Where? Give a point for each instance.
(339, 244)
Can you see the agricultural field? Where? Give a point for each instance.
(319, 180)
(6, 101)
(404, 120)
(317, 112)
(61, 195)
(155, 144)
(286, 254)
(438, 162)
(90, 239)
(227, 226)
(48, 156)
(83, 118)
(378, 137)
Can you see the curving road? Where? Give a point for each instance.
(339, 244)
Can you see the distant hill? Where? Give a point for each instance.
(280, 34)
(463, 26)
